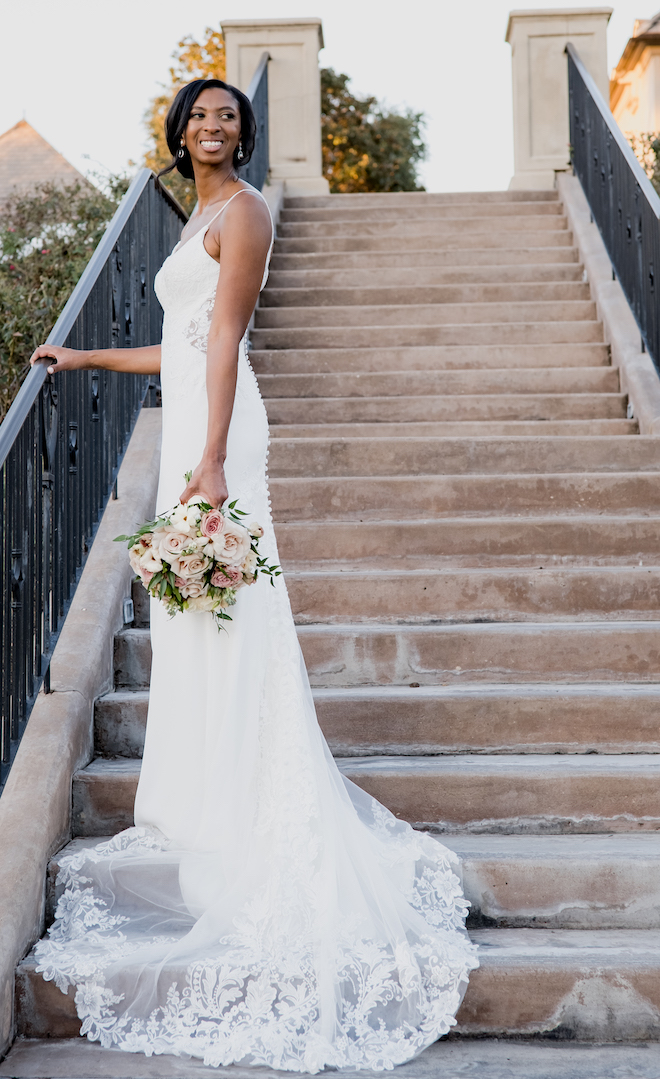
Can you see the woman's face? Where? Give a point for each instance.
(214, 128)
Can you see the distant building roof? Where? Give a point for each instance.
(26, 159)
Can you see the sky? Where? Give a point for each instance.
(83, 71)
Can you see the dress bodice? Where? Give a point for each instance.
(187, 281)
(186, 287)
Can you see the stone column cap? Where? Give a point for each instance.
(544, 12)
(266, 24)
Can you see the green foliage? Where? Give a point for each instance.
(46, 239)
(647, 151)
(192, 60)
(365, 147)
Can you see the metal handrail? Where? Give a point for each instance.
(256, 170)
(34, 380)
(623, 203)
(62, 441)
(258, 75)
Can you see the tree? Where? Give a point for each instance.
(192, 60)
(366, 147)
(46, 239)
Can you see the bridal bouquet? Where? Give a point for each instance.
(195, 558)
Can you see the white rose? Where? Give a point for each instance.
(249, 562)
(171, 544)
(193, 589)
(190, 566)
(232, 545)
(203, 603)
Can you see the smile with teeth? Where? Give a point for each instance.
(211, 144)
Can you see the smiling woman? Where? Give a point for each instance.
(264, 910)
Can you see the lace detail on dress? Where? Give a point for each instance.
(197, 330)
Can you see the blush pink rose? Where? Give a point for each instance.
(212, 524)
(227, 577)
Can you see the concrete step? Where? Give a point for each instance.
(426, 314)
(404, 241)
(431, 257)
(479, 541)
(457, 456)
(423, 277)
(567, 984)
(367, 295)
(371, 498)
(414, 383)
(426, 211)
(429, 358)
(398, 655)
(498, 1058)
(471, 718)
(451, 428)
(515, 794)
(384, 595)
(395, 228)
(544, 882)
(428, 408)
(411, 199)
(413, 336)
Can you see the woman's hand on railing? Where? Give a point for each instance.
(130, 361)
(66, 359)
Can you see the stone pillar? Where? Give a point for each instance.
(540, 85)
(294, 94)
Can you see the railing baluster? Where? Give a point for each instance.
(61, 444)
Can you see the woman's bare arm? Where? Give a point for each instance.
(245, 232)
(136, 361)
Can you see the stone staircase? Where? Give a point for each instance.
(469, 525)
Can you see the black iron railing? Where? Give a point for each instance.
(256, 170)
(622, 200)
(62, 441)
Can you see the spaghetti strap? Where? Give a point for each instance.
(205, 228)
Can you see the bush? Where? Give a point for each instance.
(46, 239)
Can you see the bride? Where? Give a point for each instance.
(264, 910)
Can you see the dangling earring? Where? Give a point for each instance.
(182, 152)
(240, 155)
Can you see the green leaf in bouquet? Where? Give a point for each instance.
(187, 476)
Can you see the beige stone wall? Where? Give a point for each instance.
(540, 85)
(636, 93)
(294, 92)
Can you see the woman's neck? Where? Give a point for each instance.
(213, 185)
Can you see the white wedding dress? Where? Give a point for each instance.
(264, 909)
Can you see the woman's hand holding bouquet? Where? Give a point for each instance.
(195, 558)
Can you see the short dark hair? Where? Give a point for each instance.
(177, 118)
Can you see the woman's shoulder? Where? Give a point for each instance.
(246, 207)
